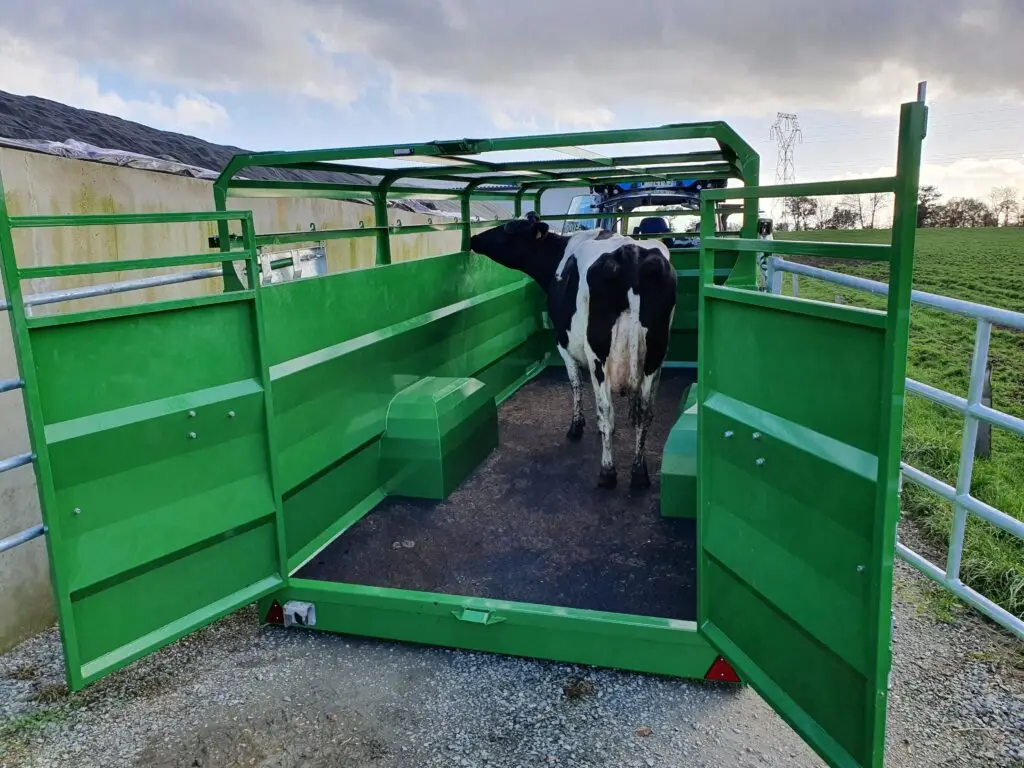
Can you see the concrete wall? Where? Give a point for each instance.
(38, 184)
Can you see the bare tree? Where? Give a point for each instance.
(826, 209)
(856, 204)
(872, 204)
(995, 197)
(1004, 203)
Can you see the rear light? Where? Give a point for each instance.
(722, 670)
(275, 615)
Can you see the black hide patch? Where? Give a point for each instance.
(657, 299)
(562, 295)
(647, 272)
(609, 282)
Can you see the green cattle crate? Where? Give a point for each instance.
(192, 455)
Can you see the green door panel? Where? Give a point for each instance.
(789, 421)
(799, 427)
(157, 448)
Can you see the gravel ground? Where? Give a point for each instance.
(237, 694)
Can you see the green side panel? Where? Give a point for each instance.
(679, 463)
(306, 316)
(789, 429)
(320, 509)
(636, 643)
(155, 425)
(438, 430)
(332, 401)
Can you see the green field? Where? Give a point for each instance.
(986, 266)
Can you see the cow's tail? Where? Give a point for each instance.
(629, 263)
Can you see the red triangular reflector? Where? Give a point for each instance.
(722, 670)
(275, 615)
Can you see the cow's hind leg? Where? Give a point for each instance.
(605, 423)
(642, 411)
(575, 432)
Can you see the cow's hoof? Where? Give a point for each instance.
(639, 479)
(575, 433)
(607, 478)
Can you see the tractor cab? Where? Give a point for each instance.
(611, 207)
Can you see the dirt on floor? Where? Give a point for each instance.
(533, 508)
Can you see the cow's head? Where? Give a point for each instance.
(513, 244)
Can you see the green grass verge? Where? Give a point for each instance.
(986, 266)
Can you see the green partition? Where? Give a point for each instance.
(342, 347)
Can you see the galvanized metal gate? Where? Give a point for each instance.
(975, 413)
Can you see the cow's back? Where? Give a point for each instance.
(621, 286)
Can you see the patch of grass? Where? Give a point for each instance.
(25, 725)
(932, 600)
(986, 266)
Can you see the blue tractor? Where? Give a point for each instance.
(621, 198)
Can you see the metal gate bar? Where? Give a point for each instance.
(973, 412)
(13, 462)
(54, 297)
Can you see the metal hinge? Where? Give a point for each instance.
(474, 616)
(232, 238)
(299, 614)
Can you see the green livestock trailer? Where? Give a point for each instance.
(379, 451)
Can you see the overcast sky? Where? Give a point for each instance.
(284, 74)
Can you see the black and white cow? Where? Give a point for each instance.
(611, 299)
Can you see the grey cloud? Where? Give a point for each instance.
(552, 55)
(202, 44)
(818, 52)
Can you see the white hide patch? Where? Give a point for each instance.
(617, 366)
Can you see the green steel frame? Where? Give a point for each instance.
(128, 583)
(459, 166)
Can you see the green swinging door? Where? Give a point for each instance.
(151, 427)
(799, 427)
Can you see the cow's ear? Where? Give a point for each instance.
(541, 228)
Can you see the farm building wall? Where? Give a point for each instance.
(41, 184)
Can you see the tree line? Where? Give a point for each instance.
(1004, 208)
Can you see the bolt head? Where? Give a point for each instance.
(756, 435)
(759, 462)
(231, 414)
(78, 510)
(191, 435)
(191, 414)
(728, 433)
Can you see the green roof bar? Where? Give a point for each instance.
(540, 166)
(459, 163)
(709, 171)
(730, 142)
(349, 191)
